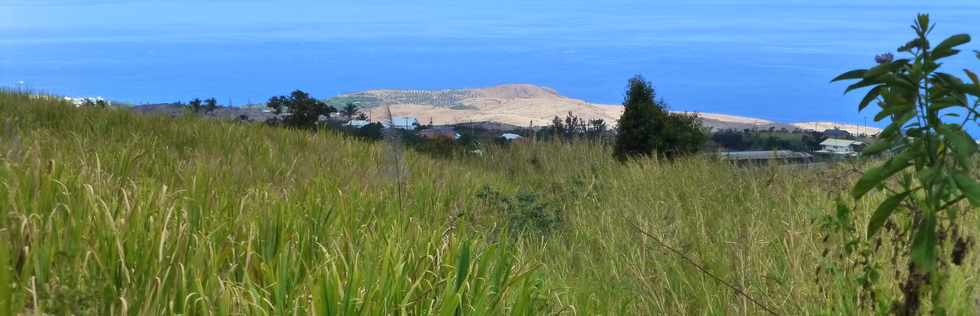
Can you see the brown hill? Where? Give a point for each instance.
(514, 104)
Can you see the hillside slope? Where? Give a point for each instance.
(109, 212)
(514, 104)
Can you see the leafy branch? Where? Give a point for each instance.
(932, 156)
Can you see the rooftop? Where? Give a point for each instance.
(764, 154)
(840, 142)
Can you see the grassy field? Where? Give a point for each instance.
(106, 212)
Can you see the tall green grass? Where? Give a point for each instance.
(107, 212)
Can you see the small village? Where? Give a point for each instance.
(830, 145)
(836, 145)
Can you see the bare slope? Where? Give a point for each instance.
(514, 104)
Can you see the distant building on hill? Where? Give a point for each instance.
(510, 137)
(81, 101)
(840, 147)
(357, 123)
(402, 122)
(766, 156)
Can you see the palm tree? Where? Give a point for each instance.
(350, 110)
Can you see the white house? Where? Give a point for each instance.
(402, 122)
(80, 101)
(357, 123)
(510, 136)
(844, 147)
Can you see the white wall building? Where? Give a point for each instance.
(844, 147)
(402, 122)
(357, 123)
(510, 136)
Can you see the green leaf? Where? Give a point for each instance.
(928, 174)
(924, 243)
(945, 48)
(962, 145)
(882, 69)
(892, 110)
(875, 176)
(923, 21)
(943, 103)
(853, 74)
(896, 125)
(901, 82)
(969, 187)
(948, 79)
(871, 96)
(463, 267)
(944, 53)
(909, 46)
(859, 85)
(877, 148)
(973, 77)
(884, 211)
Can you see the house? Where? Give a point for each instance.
(357, 123)
(510, 136)
(765, 156)
(446, 133)
(402, 122)
(840, 147)
(87, 101)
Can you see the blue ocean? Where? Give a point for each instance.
(766, 59)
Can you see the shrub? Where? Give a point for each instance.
(300, 110)
(195, 105)
(524, 212)
(210, 105)
(931, 174)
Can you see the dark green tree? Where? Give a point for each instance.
(683, 134)
(350, 110)
(597, 128)
(371, 131)
(732, 140)
(647, 128)
(301, 110)
(557, 126)
(195, 105)
(641, 122)
(210, 105)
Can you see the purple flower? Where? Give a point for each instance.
(884, 58)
